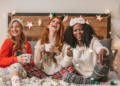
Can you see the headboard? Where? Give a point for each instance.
(102, 28)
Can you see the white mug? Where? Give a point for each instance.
(47, 46)
(77, 53)
(27, 58)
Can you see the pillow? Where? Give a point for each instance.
(106, 43)
(32, 43)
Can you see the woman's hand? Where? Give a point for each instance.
(41, 48)
(54, 49)
(102, 57)
(69, 52)
(39, 53)
(20, 59)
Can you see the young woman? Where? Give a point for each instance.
(10, 54)
(48, 62)
(81, 36)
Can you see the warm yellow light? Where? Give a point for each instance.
(113, 51)
(90, 50)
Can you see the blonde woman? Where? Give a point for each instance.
(10, 55)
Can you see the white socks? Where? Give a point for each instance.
(15, 81)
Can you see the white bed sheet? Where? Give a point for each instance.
(49, 82)
(114, 77)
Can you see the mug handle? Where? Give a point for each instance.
(32, 58)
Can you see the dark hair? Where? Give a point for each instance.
(86, 39)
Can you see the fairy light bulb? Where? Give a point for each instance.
(113, 51)
(92, 78)
(110, 32)
(115, 67)
(107, 11)
(114, 45)
(90, 50)
(115, 62)
(77, 65)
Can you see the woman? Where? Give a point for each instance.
(11, 59)
(81, 36)
(48, 62)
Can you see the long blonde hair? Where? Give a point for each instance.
(22, 39)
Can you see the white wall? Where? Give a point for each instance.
(61, 6)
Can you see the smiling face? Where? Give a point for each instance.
(78, 31)
(16, 29)
(54, 25)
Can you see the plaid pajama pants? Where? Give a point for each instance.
(32, 71)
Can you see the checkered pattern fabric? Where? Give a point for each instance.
(32, 71)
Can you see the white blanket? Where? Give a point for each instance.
(49, 82)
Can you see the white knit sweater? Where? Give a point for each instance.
(48, 69)
(86, 62)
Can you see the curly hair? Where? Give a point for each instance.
(22, 39)
(59, 40)
(86, 38)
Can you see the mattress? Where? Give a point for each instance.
(49, 82)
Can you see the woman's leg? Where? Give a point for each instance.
(15, 73)
(32, 71)
(64, 70)
(12, 72)
(100, 73)
(73, 78)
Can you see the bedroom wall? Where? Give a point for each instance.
(60, 6)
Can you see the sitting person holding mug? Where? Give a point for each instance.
(92, 63)
(48, 51)
(11, 60)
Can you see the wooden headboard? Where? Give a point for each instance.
(102, 28)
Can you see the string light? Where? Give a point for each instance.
(110, 32)
(29, 24)
(114, 45)
(39, 22)
(90, 50)
(99, 17)
(115, 62)
(50, 16)
(113, 51)
(87, 22)
(5, 16)
(13, 12)
(77, 65)
(107, 11)
(66, 18)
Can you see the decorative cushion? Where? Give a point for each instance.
(106, 43)
(32, 43)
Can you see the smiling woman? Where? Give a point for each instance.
(48, 51)
(11, 59)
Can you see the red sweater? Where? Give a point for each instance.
(7, 56)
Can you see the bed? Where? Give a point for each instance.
(102, 29)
